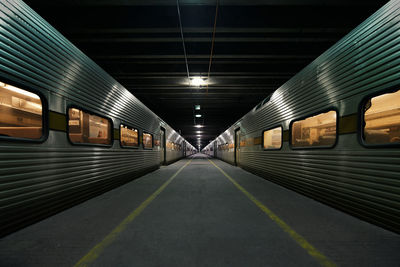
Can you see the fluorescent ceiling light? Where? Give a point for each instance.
(198, 126)
(197, 107)
(198, 115)
(197, 81)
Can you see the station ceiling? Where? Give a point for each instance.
(258, 46)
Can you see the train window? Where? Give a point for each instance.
(87, 128)
(272, 139)
(315, 131)
(129, 136)
(147, 140)
(21, 113)
(382, 119)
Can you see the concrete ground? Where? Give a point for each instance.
(200, 219)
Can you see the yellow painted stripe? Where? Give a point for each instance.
(95, 252)
(57, 121)
(322, 259)
(348, 124)
(285, 136)
(116, 134)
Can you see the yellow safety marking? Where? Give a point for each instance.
(285, 136)
(116, 134)
(348, 124)
(57, 121)
(95, 252)
(321, 258)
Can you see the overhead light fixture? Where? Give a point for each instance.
(198, 115)
(197, 81)
(197, 107)
(198, 126)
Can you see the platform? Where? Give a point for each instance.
(201, 212)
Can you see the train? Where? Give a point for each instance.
(68, 130)
(332, 131)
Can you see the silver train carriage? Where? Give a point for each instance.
(332, 132)
(68, 130)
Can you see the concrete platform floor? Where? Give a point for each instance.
(201, 219)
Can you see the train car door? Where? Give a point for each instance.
(237, 146)
(163, 150)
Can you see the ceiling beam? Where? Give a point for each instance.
(248, 56)
(205, 39)
(283, 3)
(301, 30)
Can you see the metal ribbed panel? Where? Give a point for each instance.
(226, 138)
(366, 60)
(37, 180)
(35, 54)
(359, 182)
(33, 177)
(362, 181)
(173, 136)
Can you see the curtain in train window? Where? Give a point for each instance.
(147, 140)
(382, 119)
(315, 131)
(273, 138)
(129, 136)
(21, 113)
(86, 128)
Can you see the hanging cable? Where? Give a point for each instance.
(183, 40)
(212, 44)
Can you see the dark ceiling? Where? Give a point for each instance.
(259, 45)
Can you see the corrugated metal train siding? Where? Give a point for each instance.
(357, 182)
(37, 180)
(366, 60)
(35, 54)
(362, 181)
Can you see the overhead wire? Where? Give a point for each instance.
(183, 39)
(184, 49)
(212, 44)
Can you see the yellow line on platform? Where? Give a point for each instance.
(321, 258)
(95, 252)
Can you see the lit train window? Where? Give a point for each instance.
(272, 139)
(147, 140)
(382, 119)
(86, 128)
(315, 131)
(21, 113)
(129, 137)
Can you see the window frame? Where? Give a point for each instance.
(312, 115)
(361, 122)
(45, 115)
(262, 138)
(152, 141)
(120, 136)
(91, 113)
